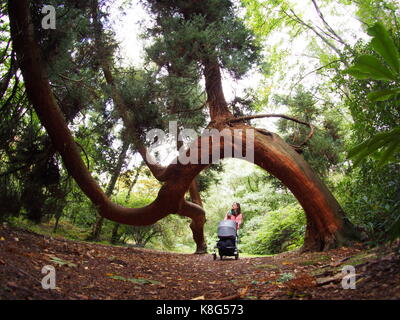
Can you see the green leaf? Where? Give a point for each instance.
(356, 73)
(372, 145)
(143, 281)
(389, 152)
(134, 280)
(284, 277)
(383, 44)
(118, 278)
(383, 95)
(62, 262)
(370, 67)
(368, 144)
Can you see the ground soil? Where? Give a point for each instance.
(93, 271)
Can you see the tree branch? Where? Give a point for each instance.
(338, 38)
(297, 19)
(260, 116)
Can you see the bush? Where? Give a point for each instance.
(275, 232)
(370, 196)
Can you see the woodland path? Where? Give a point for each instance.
(94, 271)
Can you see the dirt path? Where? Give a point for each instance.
(92, 271)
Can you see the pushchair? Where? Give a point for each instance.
(228, 238)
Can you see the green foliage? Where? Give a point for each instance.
(285, 277)
(369, 11)
(383, 44)
(323, 151)
(66, 229)
(370, 196)
(141, 235)
(275, 231)
(390, 139)
(272, 221)
(189, 33)
(369, 67)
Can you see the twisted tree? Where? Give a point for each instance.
(193, 40)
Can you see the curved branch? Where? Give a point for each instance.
(84, 152)
(259, 116)
(70, 79)
(190, 110)
(40, 94)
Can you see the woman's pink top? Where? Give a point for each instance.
(238, 219)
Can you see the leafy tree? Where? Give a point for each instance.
(324, 150)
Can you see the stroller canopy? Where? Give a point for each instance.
(227, 228)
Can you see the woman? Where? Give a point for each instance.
(235, 214)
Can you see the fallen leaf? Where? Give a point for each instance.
(243, 292)
(62, 262)
(326, 280)
(135, 280)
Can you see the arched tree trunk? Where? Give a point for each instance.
(326, 224)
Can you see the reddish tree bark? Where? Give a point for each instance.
(326, 224)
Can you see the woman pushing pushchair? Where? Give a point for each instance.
(228, 233)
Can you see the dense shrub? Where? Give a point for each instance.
(275, 232)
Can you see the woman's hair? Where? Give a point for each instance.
(238, 210)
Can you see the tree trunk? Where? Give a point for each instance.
(135, 179)
(110, 188)
(326, 224)
(114, 234)
(197, 225)
(56, 223)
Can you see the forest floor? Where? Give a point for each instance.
(94, 271)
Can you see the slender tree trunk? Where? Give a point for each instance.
(114, 233)
(56, 223)
(135, 179)
(110, 188)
